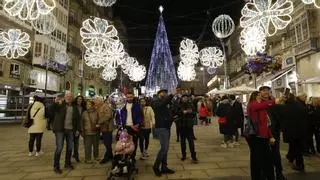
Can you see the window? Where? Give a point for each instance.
(15, 69)
(45, 51)
(66, 4)
(38, 50)
(1, 4)
(72, 17)
(64, 37)
(59, 35)
(1, 68)
(301, 29)
(52, 52)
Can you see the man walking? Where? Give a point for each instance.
(163, 124)
(64, 125)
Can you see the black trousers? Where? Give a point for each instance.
(295, 152)
(260, 159)
(187, 134)
(309, 144)
(275, 149)
(178, 129)
(144, 139)
(35, 137)
(76, 146)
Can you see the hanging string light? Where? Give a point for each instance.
(28, 9)
(186, 72)
(315, 2)
(45, 24)
(212, 57)
(95, 60)
(223, 26)
(253, 40)
(270, 15)
(211, 70)
(128, 64)
(109, 74)
(115, 54)
(189, 52)
(62, 58)
(14, 43)
(137, 73)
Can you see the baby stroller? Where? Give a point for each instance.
(123, 166)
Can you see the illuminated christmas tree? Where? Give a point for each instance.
(162, 73)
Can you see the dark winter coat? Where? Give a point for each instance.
(275, 115)
(187, 120)
(236, 114)
(162, 112)
(223, 110)
(136, 112)
(294, 122)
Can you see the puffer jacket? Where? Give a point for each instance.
(39, 120)
(90, 118)
(106, 118)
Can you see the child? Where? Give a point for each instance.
(124, 147)
(203, 114)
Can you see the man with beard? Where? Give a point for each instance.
(161, 107)
(130, 117)
(186, 127)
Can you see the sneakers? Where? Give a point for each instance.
(168, 171)
(236, 144)
(30, 154)
(230, 145)
(115, 170)
(143, 157)
(37, 154)
(224, 145)
(125, 170)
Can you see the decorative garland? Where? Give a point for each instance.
(263, 63)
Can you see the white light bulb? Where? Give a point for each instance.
(253, 40)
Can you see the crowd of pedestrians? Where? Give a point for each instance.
(261, 122)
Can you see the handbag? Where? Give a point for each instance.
(222, 120)
(28, 122)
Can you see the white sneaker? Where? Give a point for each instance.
(224, 145)
(30, 154)
(115, 170)
(230, 145)
(125, 169)
(37, 154)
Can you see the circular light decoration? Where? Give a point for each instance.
(271, 16)
(106, 3)
(137, 73)
(223, 26)
(95, 60)
(253, 40)
(62, 58)
(211, 70)
(14, 43)
(212, 57)
(97, 34)
(28, 9)
(109, 74)
(117, 100)
(128, 64)
(115, 54)
(315, 2)
(189, 52)
(45, 24)
(186, 72)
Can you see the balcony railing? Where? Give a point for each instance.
(307, 46)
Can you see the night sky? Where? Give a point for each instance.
(183, 18)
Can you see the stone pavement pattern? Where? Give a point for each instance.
(215, 162)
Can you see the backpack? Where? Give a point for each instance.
(203, 112)
(28, 121)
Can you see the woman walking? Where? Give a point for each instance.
(80, 107)
(37, 113)
(148, 123)
(90, 131)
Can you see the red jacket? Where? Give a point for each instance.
(259, 109)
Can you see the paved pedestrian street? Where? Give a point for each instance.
(215, 162)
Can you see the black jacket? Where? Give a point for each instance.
(58, 115)
(224, 110)
(275, 115)
(236, 114)
(162, 111)
(294, 121)
(186, 120)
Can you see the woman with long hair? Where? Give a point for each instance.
(37, 113)
(148, 123)
(79, 105)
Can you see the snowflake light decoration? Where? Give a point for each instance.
(98, 34)
(128, 64)
(186, 72)
(109, 74)
(138, 73)
(62, 58)
(45, 24)
(95, 60)
(14, 43)
(271, 16)
(223, 26)
(29, 9)
(315, 2)
(211, 70)
(106, 3)
(212, 57)
(115, 54)
(189, 52)
(253, 40)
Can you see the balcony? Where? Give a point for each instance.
(305, 47)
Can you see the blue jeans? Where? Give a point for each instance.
(107, 141)
(60, 137)
(163, 134)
